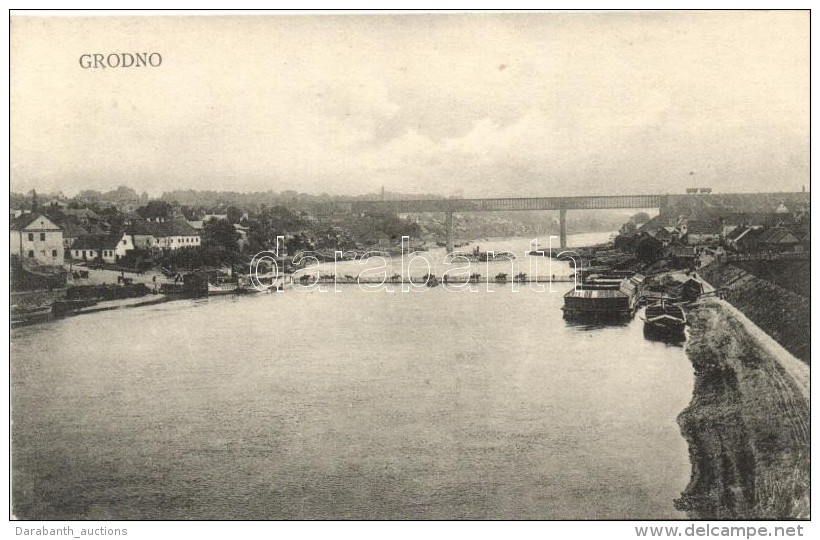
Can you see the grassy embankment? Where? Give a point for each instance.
(781, 312)
(747, 426)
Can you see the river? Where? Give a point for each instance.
(353, 404)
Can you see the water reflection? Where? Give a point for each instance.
(595, 323)
(672, 339)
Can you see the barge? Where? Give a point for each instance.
(604, 296)
(665, 320)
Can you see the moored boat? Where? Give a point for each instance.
(604, 296)
(65, 306)
(665, 319)
(28, 315)
(223, 288)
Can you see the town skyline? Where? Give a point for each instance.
(472, 105)
(171, 194)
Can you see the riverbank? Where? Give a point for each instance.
(782, 313)
(747, 425)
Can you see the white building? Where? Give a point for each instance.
(34, 237)
(166, 235)
(108, 248)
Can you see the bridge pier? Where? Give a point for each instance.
(562, 227)
(448, 227)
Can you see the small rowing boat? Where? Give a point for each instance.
(222, 288)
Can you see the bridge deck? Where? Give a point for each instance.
(511, 204)
(587, 202)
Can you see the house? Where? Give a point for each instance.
(683, 256)
(651, 228)
(703, 232)
(648, 248)
(748, 241)
(778, 239)
(130, 217)
(57, 204)
(143, 234)
(105, 247)
(689, 290)
(85, 216)
(666, 235)
(35, 238)
(735, 236)
(766, 219)
(71, 232)
(176, 234)
(164, 235)
(242, 241)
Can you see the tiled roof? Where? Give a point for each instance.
(664, 233)
(81, 213)
(96, 241)
(683, 251)
(703, 227)
(751, 236)
(20, 223)
(777, 235)
(737, 232)
(162, 229)
(757, 218)
(73, 230)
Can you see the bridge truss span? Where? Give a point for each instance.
(598, 202)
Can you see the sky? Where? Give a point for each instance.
(473, 105)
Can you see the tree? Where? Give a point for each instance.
(122, 193)
(627, 228)
(640, 217)
(299, 242)
(234, 214)
(156, 209)
(220, 235)
(649, 249)
(116, 222)
(89, 196)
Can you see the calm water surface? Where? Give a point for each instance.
(347, 405)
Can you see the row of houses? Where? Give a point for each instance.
(745, 239)
(38, 239)
(773, 231)
(144, 235)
